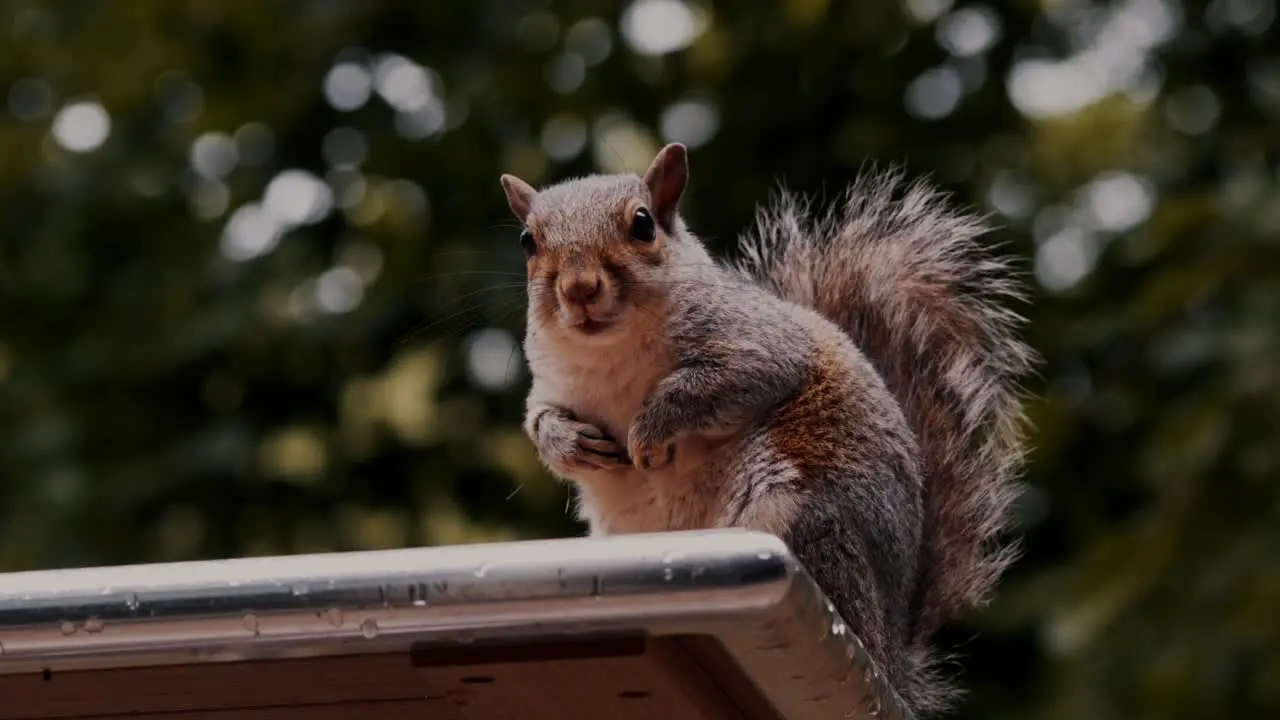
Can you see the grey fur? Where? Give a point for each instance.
(724, 381)
(780, 382)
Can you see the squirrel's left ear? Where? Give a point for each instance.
(519, 195)
(666, 178)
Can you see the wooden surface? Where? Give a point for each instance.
(621, 679)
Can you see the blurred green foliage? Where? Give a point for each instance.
(259, 292)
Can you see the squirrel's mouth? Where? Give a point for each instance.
(587, 326)
(587, 322)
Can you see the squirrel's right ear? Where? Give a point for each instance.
(666, 178)
(519, 195)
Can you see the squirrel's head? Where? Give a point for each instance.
(601, 247)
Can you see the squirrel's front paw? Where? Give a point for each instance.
(647, 451)
(569, 446)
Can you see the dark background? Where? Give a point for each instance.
(257, 290)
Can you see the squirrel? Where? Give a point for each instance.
(850, 384)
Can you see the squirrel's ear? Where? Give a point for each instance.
(666, 178)
(519, 195)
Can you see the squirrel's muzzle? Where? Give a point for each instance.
(581, 288)
(587, 297)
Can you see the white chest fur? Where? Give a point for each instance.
(604, 384)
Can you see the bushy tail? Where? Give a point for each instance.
(906, 276)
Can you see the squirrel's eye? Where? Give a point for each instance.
(527, 243)
(642, 227)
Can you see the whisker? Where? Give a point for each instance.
(463, 252)
(507, 308)
(515, 347)
(414, 334)
(467, 273)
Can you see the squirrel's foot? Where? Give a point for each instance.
(597, 449)
(649, 455)
(656, 458)
(569, 446)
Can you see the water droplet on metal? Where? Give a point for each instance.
(94, 625)
(672, 557)
(299, 590)
(67, 627)
(482, 571)
(765, 556)
(668, 574)
(369, 629)
(334, 616)
(251, 623)
(419, 603)
(132, 601)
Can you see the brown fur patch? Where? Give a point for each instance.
(812, 432)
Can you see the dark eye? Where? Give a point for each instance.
(527, 243)
(642, 227)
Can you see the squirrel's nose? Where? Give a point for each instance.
(581, 289)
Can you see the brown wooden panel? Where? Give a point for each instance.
(719, 669)
(380, 710)
(208, 686)
(626, 679)
(619, 679)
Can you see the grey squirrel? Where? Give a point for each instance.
(849, 384)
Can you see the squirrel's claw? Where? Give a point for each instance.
(653, 457)
(601, 451)
(659, 457)
(649, 447)
(599, 443)
(568, 446)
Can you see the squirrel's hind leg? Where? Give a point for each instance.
(763, 490)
